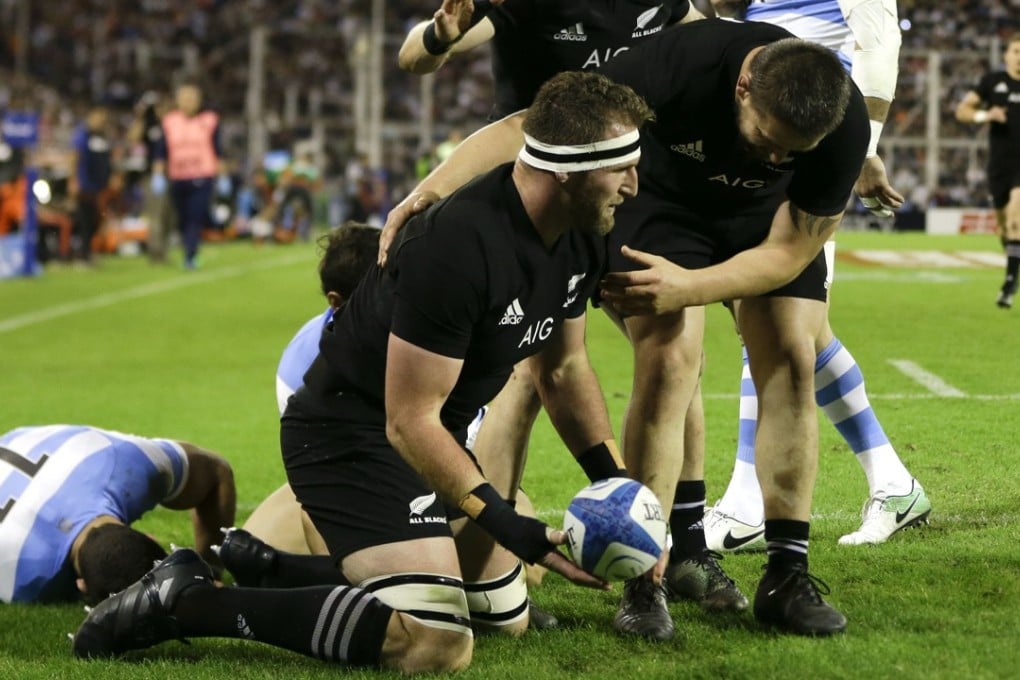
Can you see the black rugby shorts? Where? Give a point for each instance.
(358, 491)
(1000, 184)
(661, 227)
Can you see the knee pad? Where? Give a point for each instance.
(436, 600)
(503, 601)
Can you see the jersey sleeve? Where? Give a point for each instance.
(984, 87)
(507, 17)
(825, 176)
(171, 467)
(441, 283)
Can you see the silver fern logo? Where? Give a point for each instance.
(418, 507)
(641, 27)
(422, 503)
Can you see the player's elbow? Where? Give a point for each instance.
(410, 59)
(399, 430)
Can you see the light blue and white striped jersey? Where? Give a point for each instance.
(298, 356)
(819, 21)
(56, 479)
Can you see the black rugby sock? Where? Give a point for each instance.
(1012, 266)
(685, 520)
(296, 571)
(786, 541)
(334, 623)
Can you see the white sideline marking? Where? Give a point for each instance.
(903, 396)
(930, 381)
(186, 279)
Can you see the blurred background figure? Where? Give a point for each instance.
(146, 132)
(90, 181)
(190, 157)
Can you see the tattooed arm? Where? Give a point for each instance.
(794, 240)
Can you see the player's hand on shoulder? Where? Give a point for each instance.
(398, 217)
(556, 561)
(657, 289)
(874, 189)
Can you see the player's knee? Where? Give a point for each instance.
(427, 649)
(432, 629)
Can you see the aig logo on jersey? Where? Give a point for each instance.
(537, 332)
(573, 33)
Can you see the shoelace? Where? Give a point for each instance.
(710, 560)
(642, 592)
(807, 584)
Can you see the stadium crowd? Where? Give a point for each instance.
(84, 52)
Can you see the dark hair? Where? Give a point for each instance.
(347, 253)
(576, 107)
(802, 85)
(1015, 37)
(112, 557)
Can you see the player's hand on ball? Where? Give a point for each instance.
(398, 217)
(556, 561)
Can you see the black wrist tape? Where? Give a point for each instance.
(433, 45)
(523, 536)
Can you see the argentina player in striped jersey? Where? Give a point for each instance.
(864, 34)
(68, 494)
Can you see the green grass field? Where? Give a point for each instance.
(158, 352)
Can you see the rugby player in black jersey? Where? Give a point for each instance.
(999, 94)
(745, 174)
(373, 441)
(531, 41)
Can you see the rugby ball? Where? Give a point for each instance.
(615, 529)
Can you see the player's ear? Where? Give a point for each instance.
(743, 87)
(335, 299)
(82, 588)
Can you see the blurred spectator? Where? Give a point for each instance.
(146, 133)
(90, 184)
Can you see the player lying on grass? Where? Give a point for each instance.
(70, 493)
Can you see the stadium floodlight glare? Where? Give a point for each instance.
(41, 191)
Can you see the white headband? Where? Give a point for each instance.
(581, 157)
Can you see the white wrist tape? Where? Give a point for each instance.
(876, 134)
(980, 117)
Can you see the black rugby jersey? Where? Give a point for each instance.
(692, 153)
(469, 278)
(998, 89)
(536, 39)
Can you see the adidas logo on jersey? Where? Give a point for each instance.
(513, 315)
(692, 149)
(573, 33)
(1001, 87)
